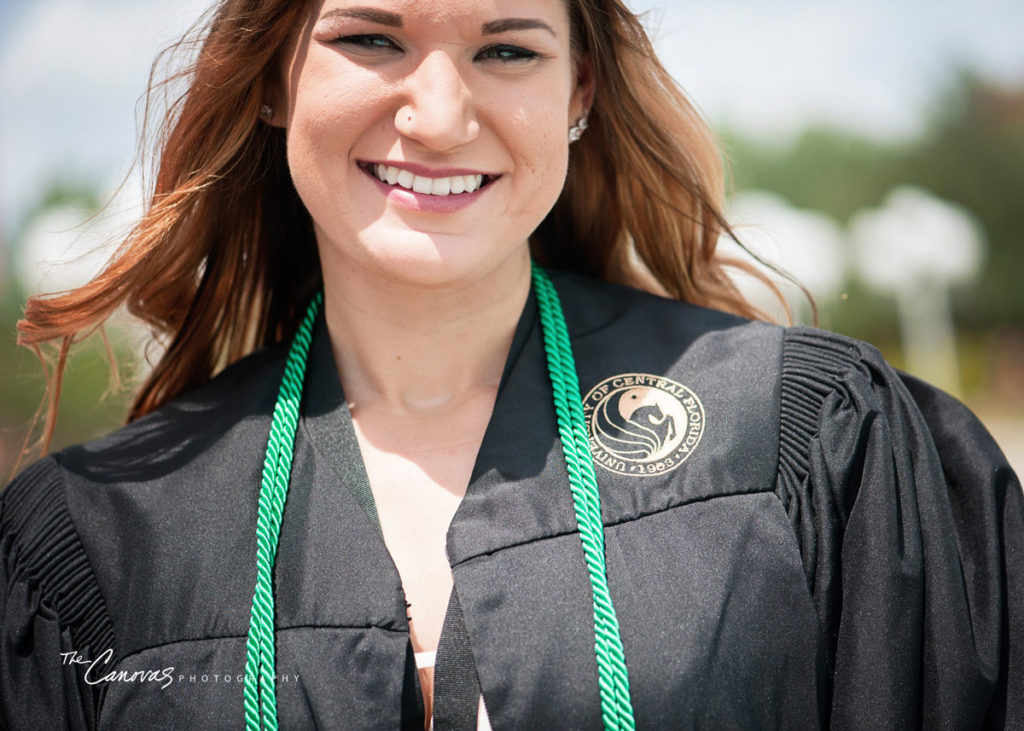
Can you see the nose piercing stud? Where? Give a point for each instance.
(576, 131)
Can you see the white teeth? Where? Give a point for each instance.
(422, 185)
(431, 186)
(441, 186)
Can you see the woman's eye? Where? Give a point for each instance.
(507, 53)
(370, 42)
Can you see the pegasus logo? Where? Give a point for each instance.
(631, 428)
(641, 424)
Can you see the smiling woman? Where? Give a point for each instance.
(486, 104)
(462, 422)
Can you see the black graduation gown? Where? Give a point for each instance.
(829, 542)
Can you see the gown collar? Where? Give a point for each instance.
(327, 420)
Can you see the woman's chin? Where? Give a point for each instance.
(430, 260)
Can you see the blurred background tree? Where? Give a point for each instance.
(57, 244)
(971, 154)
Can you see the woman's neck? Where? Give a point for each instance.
(417, 350)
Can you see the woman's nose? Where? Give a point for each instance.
(438, 109)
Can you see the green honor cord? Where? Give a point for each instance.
(277, 468)
(613, 678)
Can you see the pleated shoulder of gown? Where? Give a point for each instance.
(52, 610)
(910, 524)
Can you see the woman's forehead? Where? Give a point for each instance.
(442, 12)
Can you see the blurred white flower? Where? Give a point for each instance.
(805, 244)
(916, 237)
(64, 246)
(916, 247)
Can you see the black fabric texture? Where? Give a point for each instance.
(335, 438)
(843, 547)
(456, 687)
(52, 606)
(910, 525)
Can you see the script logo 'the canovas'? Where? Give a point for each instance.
(641, 424)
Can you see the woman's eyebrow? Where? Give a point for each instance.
(374, 15)
(491, 27)
(506, 24)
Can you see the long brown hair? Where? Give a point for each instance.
(643, 201)
(224, 257)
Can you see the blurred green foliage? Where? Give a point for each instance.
(79, 193)
(972, 154)
(90, 406)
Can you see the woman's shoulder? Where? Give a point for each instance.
(817, 386)
(635, 319)
(193, 449)
(831, 359)
(591, 305)
(91, 533)
(844, 381)
(39, 544)
(196, 421)
(84, 498)
(52, 603)
(101, 542)
(170, 436)
(203, 424)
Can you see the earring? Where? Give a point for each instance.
(266, 111)
(576, 131)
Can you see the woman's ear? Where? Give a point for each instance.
(583, 93)
(282, 76)
(274, 105)
(275, 101)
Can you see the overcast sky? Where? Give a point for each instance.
(71, 71)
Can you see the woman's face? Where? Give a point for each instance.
(428, 138)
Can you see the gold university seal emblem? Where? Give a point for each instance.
(641, 424)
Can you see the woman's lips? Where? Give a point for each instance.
(443, 191)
